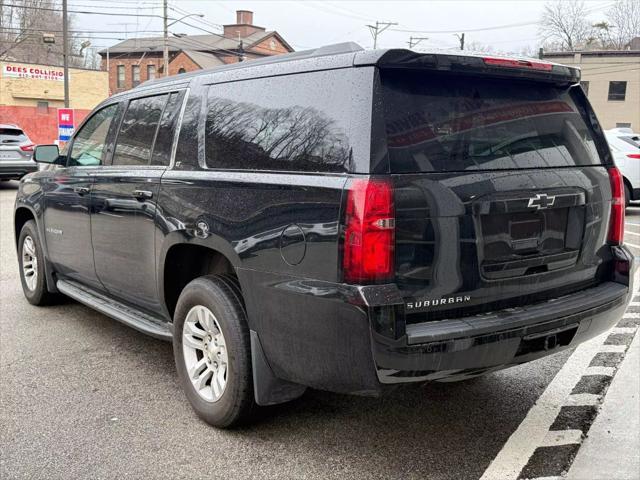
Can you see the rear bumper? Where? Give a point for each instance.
(454, 349)
(16, 170)
(461, 348)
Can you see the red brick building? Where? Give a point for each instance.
(134, 61)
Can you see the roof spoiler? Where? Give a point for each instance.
(474, 64)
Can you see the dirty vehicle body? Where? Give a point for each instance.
(16, 151)
(340, 219)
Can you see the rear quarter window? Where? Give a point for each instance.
(438, 122)
(295, 122)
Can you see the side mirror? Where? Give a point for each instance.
(46, 153)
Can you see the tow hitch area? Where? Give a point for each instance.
(545, 341)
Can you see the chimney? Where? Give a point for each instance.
(244, 17)
(243, 27)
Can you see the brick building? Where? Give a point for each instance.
(31, 94)
(136, 60)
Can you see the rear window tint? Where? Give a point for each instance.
(12, 135)
(438, 122)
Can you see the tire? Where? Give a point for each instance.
(31, 263)
(220, 406)
(627, 196)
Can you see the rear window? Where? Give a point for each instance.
(437, 122)
(12, 135)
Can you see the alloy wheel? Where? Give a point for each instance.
(205, 353)
(29, 263)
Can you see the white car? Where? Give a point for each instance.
(625, 147)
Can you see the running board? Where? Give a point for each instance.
(132, 317)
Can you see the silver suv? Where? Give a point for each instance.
(16, 152)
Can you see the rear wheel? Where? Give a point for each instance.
(212, 351)
(31, 262)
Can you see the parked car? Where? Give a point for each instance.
(16, 151)
(340, 219)
(625, 147)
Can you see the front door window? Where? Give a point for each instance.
(88, 147)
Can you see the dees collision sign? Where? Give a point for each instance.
(32, 72)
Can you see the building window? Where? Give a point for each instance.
(43, 107)
(182, 70)
(120, 83)
(617, 90)
(135, 75)
(151, 72)
(585, 87)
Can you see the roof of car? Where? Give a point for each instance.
(343, 55)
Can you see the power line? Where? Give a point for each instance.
(83, 12)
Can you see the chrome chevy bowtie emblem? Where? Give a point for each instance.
(541, 200)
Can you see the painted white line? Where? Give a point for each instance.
(623, 330)
(632, 223)
(561, 437)
(583, 399)
(634, 304)
(613, 348)
(631, 315)
(631, 245)
(609, 371)
(547, 478)
(529, 435)
(629, 232)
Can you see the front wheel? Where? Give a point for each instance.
(212, 351)
(31, 264)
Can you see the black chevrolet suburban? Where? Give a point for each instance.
(340, 219)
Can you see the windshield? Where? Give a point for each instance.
(438, 122)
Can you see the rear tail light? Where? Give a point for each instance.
(369, 232)
(28, 147)
(514, 63)
(616, 221)
(635, 156)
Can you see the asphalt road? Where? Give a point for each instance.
(83, 396)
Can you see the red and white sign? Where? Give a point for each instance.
(65, 124)
(32, 72)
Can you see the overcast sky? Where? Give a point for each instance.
(307, 24)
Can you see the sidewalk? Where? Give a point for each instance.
(611, 449)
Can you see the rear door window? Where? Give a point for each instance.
(437, 123)
(138, 130)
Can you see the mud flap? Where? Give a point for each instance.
(269, 389)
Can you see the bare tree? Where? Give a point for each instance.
(564, 23)
(624, 21)
(23, 26)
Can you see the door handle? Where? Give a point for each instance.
(81, 190)
(142, 194)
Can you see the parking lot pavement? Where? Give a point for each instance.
(83, 396)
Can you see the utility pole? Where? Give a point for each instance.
(65, 53)
(413, 41)
(378, 29)
(165, 50)
(461, 38)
